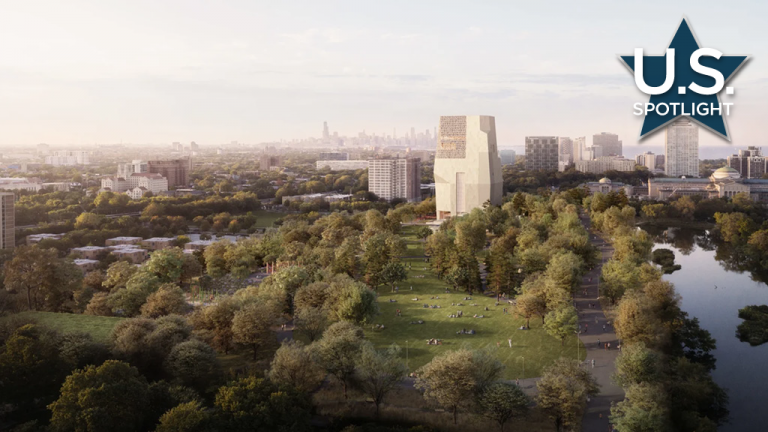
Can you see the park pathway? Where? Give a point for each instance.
(591, 320)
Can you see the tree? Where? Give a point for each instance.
(392, 273)
(310, 322)
(530, 304)
(563, 391)
(194, 363)
(423, 232)
(561, 322)
(166, 264)
(99, 305)
(128, 301)
(31, 366)
(645, 408)
(379, 372)
(112, 397)
(338, 350)
(168, 299)
(214, 323)
(118, 274)
(294, 366)
(88, 221)
(256, 405)
(42, 276)
(186, 417)
(215, 263)
(451, 379)
(251, 326)
(501, 401)
(636, 364)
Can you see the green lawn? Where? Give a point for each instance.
(265, 219)
(97, 326)
(533, 347)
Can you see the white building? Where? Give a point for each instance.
(341, 165)
(20, 183)
(395, 178)
(68, 158)
(136, 185)
(467, 165)
(647, 159)
(578, 148)
(565, 146)
(606, 163)
(125, 170)
(681, 147)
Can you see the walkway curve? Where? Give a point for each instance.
(592, 319)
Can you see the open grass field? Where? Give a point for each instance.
(97, 326)
(532, 349)
(265, 219)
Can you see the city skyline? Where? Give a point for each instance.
(233, 73)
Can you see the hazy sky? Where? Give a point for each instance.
(83, 72)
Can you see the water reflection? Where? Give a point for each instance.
(716, 280)
(732, 258)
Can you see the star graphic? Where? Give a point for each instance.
(685, 43)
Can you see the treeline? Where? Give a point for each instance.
(518, 179)
(698, 208)
(665, 360)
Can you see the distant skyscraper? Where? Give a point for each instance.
(609, 142)
(541, 153)
(565, 145)
(750, 163)
(176, 171)
(467, 165)
(578, 148)
(681, 147)
(7, 221)
(326, 134)
(647, 160)
(507, 157)
(395, 178)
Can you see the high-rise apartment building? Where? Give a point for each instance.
(750, 163)
(541, 153)
(267, 162)
(507, 157)
(395, 178)
(7, 221)
(176, 171)
(647, 159)
(68, 158)
(565, 145)
(610, 143)
(579, 144)
(681, 148)
(467, 165)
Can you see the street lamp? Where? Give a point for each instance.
(406, 356)
(523, 365)
(577, 344)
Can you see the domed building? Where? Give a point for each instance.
(725, 173)
(605, 185)
(725, 182)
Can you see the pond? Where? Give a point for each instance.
(714, 283)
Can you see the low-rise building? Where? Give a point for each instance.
(123, 241)
(37, 238)
(86, 265)
(157, 243)
(605, 185)
(198, 245)
(606, 163)
(341, 165)
(724, 182)
(132, 254)
(20, 183)
(88, 252)
(327, 197)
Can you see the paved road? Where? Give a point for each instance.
(592, 320)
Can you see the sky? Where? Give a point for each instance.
(82, 72)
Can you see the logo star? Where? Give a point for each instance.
(685, 43)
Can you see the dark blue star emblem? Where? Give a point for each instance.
(680, 98)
